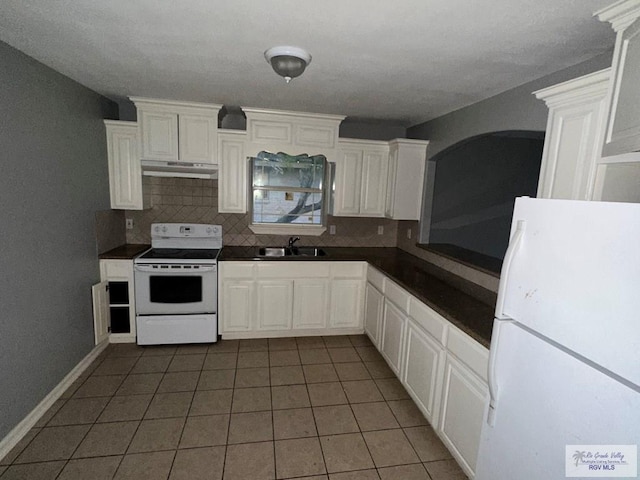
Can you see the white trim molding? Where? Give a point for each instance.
(27, 423)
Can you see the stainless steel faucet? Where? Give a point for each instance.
(293, 240)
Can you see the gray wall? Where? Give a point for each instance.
(515, 109)
(54, 178)
(475, 187)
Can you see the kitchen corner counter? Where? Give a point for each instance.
(465, 304)
(124, 252)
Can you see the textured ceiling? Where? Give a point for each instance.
(406, 61)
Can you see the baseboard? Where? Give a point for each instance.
(20, 430)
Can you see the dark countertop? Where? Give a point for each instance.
(127, 251)
(465, 304)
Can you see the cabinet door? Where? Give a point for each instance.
(573, 141)
(232, 174)
(374, 303)
(159, 135)
(310, 297)
(348, 183)
(275, 300)
(623, 130)
(463, 404)
(197, 138)
(373, 184)
(125, 175)
(237, 306)
(393, 326)
(423, 369)
(100, 294)
(346, 303)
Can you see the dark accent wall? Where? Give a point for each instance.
(515, 109)
(476, 184)
(54, 178)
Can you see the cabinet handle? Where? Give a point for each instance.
(514, 244)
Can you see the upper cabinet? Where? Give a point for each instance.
(292, 132)
(232, 172)
(573, 140)
(125, 175)
(177, 131)
(361, 178)
(407, 160)
(623, 125)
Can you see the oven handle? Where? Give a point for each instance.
(151, 269)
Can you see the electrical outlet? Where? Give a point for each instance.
(129, 223)
(332, 229)
(380, 229)
(409, 233)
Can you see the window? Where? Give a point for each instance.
(288, 193)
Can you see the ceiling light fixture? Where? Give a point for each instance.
(288, 62)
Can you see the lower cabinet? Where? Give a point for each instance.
(373, 307)
(442, 368)
(423, 370)
(260, 299)
(239, 300)
(120, 295)
(310, 303)
(275, 304)
(393, 325)
(464, 397)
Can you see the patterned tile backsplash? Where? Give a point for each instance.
(196, 201)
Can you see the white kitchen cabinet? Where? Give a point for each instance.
(405, 179)
(237, 299)
(292, 132)
(573, 140)
(232, 172)
(347, 294)
(373, 309)
(465, 397)
(177, 131)
(374, 305)
(275, 304)
(393, 326)
(310, 302)
(125, 174)
(623, 125)
(360, 179)
(464, 401)
(260, 299)
(423, 370)
(237, 305)
(121, 299)
(101, 320)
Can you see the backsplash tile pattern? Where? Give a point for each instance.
(196, 201)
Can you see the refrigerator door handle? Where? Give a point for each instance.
(514, 244)
(491, 371)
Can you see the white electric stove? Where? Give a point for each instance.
(176, 284)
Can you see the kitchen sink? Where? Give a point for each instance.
(308, 251)
(294, 252)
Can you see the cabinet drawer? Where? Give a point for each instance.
(397, 295)
(375, 278)
(348, 269)
(110, 269)
(474, 355)
(237, 269)
(293, 270)
(428, 319)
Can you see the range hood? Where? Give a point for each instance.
(155, 168)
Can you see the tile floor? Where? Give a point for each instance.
(312, 407)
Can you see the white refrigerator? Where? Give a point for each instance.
(564, 367)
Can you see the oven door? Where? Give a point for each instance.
(165, 289)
